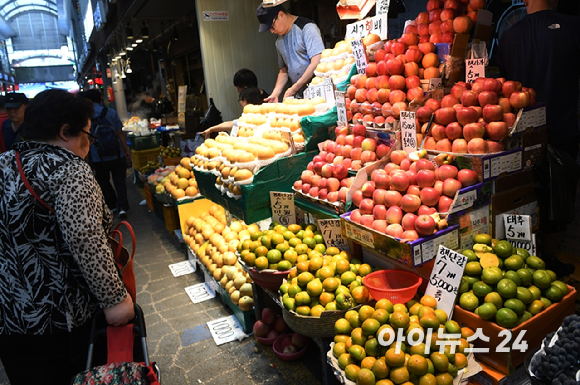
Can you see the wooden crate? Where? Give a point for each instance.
(171, 217)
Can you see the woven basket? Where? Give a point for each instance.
(321, 327)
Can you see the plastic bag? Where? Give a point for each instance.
(478, 51)
(557, 177)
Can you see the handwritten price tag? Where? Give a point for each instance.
(199, 293)
(383, 7)
(340, 107)
(360, 56)
(408, 131)
(282, 205)
(332, 233)
(474, 68)
(530, 246)
(328, 90)
(445, 278)
(517, 227)
(378, 25)
(181, 268)
(225, 329)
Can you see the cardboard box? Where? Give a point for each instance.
(411, 254)
(521, 200)
(508, 182)
(531, 117)
(490, 166)
(536, 328)
(532, 141)
(490, 376)
(472, 223)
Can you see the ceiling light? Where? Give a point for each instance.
(129, 32)
(138, 40)
(144, 31)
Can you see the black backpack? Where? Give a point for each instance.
(107, 142)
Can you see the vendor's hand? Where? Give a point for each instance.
(206, 133)
(120, 313)
(271, 99)
(290, 93)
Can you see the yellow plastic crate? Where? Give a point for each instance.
(140, 158)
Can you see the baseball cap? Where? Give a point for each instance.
(15, 100)
(266, 16)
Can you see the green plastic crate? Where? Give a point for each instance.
(144, 142)
(246, 318)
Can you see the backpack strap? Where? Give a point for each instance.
(104, 112)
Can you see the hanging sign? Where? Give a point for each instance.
(474, 68)
(332, 233)
(360, 56)
(377, 25)
(282, 205)
(408, 131)
(445, 278)
(517, 227)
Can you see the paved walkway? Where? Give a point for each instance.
(178, 339)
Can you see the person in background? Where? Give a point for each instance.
(299, 47)
(15, 104)
(57, 266)
(537, 52)
(3, 114)
(249, 95)
(247, 78)
(114, 166)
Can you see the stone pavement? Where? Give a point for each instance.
(177, 337)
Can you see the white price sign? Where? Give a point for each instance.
(282, 205)
(181, 268)
(383, 7)
(225, 330)
(199, 293)
(445, 278)
(408, 131)
(530, 246)
(474, 68)
(328, 87)
(340, 106)
(434, 83)
(332, 233)
(360, 56)
(377, 25)
(517, 227)
(235, 129)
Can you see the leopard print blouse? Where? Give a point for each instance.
(55, 268)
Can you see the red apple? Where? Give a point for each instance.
(367, 220)
(449, 101)
(492, 113)
(298, 185)
(332, 184)
(410, 235)
(429, 196)
(400, 181)
(509, 119)
(497, 130)
(340, 171)
(453, 131)
(466, 115)
(459, 146)
(394, 214)
(494, 146)
(509, 87)
(438, 132)
(380, 212)
(445, 115)
(467, 177)
(447, 171)
(424, 164)
(469, 98)
(477, 146)
(443, 145)
(389, 167)
(355, 216)
(383, 181)
(359, 130)
(408, 221)
(332, 197)
(433, 104)
(397, 156)
(366, 206)
(425, 225)
(306, 188)
(394, 230)
(379, 196)
(493, 85)
(444, 204)
(380, 225)
(426, 210)
(306, 176)
(368, 188)
(426, 178)
(414, 190)
(392, 198)
(487, 97)
(473, 130)
(410, 203)
(520, 99)
(451, 186)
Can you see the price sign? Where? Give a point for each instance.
(225, 329)
(199, 293)
(340, 106)
(517, 227)
(474, 68)
(445, 278)
(383, 7)
(361, 236)
(377, 25)
(360, 56)
(529, 246)
(181, 268)
(408, 131)
(282, 205)
(235, 129)
(434, 83)
(328, 89)
(332, 233)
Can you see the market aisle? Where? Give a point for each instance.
(178, 338)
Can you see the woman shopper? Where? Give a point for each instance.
(56, 267)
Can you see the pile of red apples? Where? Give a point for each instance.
(402, 198)
(379, 95)
(473, 118)
(326, 176)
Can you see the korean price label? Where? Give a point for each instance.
(434, 83)
(408, 131)
(235, 129)
(340, 106)
(199, 293)
(517, 227)
(383, 7)
(332, 233)
(445, 278)
(182, 268)
(530, 246)
(282, 205)
(474, 68)
(328, 90)
(360, 56)
(314, 91)
(361, 236)
(377, 25)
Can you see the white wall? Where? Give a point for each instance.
(230, 45)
